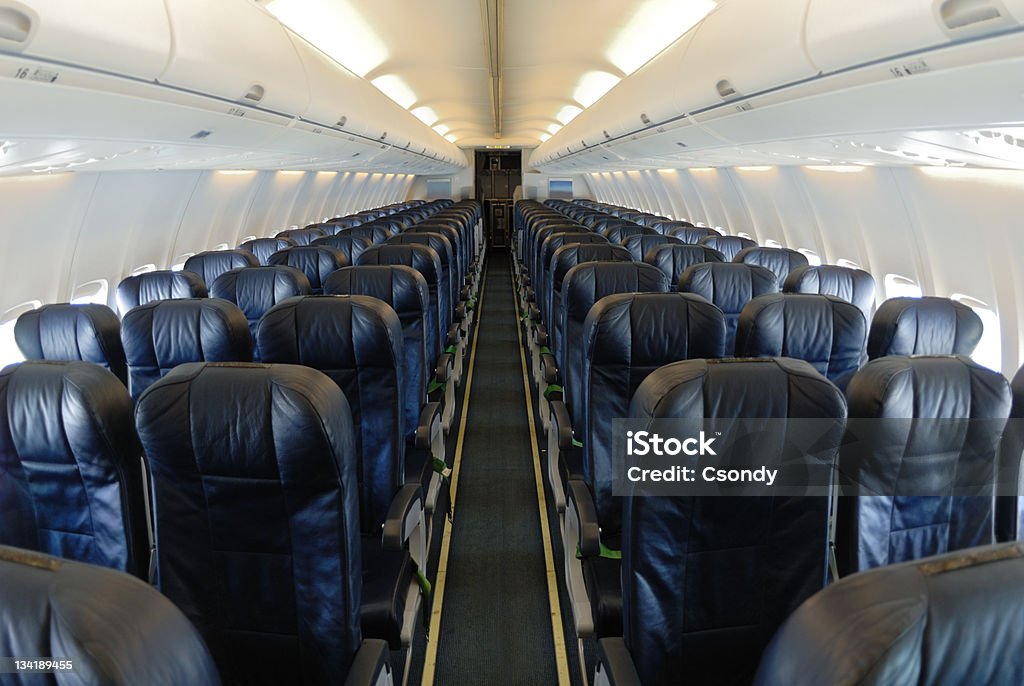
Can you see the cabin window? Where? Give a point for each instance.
(9, 351)
(222, 246)
(772, 243)
(897, 286)
(91, 293)
(179, 261)
(149, 267)
(990, 348)
(813, 258)
(246, 239)
(848, 264)
(741, 234)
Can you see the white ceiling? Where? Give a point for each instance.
(436, 54)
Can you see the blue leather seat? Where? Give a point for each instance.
(449, 279)
(352, 246)
(209, 265)
(640, 244)
(256, 289)
(779, 261)
(567, 257)
(70, 475)
(302, 236)
(619, 234)
(263, 248)
(852, 285)
(113, 629)
(159, 285)
(460, 248)
(254, 478)
(160, 335)
(706, 581)
(923, 434)
(534, 261)
(1010, 501)
(950, 619)
(924, 326)
(625, 337)
(674, 259)
(730, 246)
(376, 233)
(824, 331)
(692, 235)
(91, 333)
(315, 261)
(357, 342)
(547, 250)
(729, 286)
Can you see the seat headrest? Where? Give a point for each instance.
(939, 620)
(587, 283)
(209, 265)
(824, 331)
(302, 236)
(674, 259)
(852, 285)
(640, 244)
(436, 241)
(375, 232)
(557, 240)
(280, 439)
(780, 261)
(256, 289)
(352, 246)
(263, 248)
(729, 285)
(924, 326)
(91, 333)
(315, 261)
(72, 482)
(159, 285)
(162, 334)
(619, 234)
(401, 287)
(568, 256)
(422, 258)
(730, 246)
(115, 629)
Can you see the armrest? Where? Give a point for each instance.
(406, 503)
(531, 296)
(590, 533)
(561, 423)
(540, 335)
(616, 663)
(429, 425)
(454, 335)
(445, 367)
(534, 312)
(371, 661)
(464, 293)
(460, 311)
(549, 368)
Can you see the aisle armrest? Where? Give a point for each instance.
(582, 501)
(371, 666)
(404, 515)
(615, 664)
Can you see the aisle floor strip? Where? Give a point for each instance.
(430, 662)
(557, 631)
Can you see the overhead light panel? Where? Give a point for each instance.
(545, 137)
(336, 29)
(592, 87)
(427, 115)
(554, 128)
(567, 113)
(396, 89)
(451, 138)
(441, 129)
(837, 168)
(655, 25)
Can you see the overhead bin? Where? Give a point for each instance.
(836, 34)
(127, 38)
(235, 50)
(333, 90)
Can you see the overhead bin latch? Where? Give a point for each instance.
(17, 25)
(969, 17)
(727, 91)
(255, 93)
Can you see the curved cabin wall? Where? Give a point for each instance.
(953, 231)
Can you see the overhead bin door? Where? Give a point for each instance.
(839, 36)
(235, 50)
(334, 91)
(129, 38)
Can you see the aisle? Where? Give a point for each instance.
(496, 619)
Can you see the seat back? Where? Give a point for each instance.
(447, 277)
(253, 475)
(315, 261)
(112, 628)
(852, 285)
(567, 257)
(692, 235)
(406, 291)
(706, 581)
(428, 263)
(159, 285)
(91, 333)
(1010, 504)
(263, 248)
(779, 261)
(626, 337)
(302, 236)
(619, 234)
(375, 232)
(352, 246)
(640, 244)
(730, 246)
(941, 620)
(730, 286)
(461, 248)
(70, 476)
(356, 341)
(209, 265)
(160, 335)
(674, 259)
(824, 331)
(256, 289)
(923, 433)
(924, 326)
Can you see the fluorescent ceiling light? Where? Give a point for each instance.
(291, 172)
(592, 86)
(838, 168)
(441, 129)
(236, 172)
(427, 115)
(545, 137)
(396, 89)
(336, 29)
(451, 138)
(567, 113)
(554, 128)
(756, 169)
(656, 25)
(701, 169)
(666, 171)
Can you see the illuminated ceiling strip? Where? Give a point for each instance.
(493, 14)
